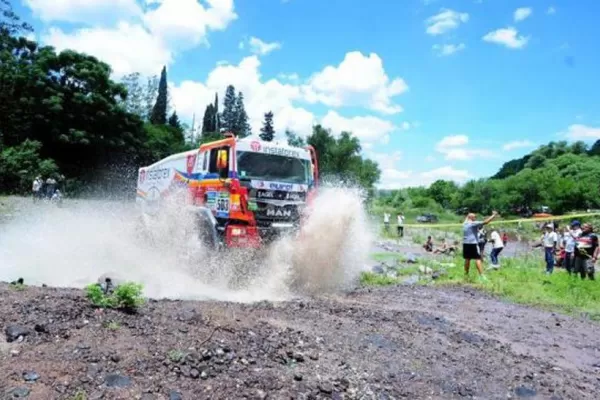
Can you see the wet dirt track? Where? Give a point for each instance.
(384, 343)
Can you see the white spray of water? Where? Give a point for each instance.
(74, 245)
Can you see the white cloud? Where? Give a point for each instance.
(582, 132)
(448, 49)
(452, 141)
(452, 147)
(551, 10)
(522, 13)
(191, 97)
(261, 48)
(114, 46)
(184, 23)
(446, 20)
(517, 144)
(83, 11)
(508, 37)
(357, 81)
(366, 128)
(394, 178)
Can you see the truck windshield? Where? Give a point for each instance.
(269, 167)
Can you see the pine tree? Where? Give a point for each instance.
(242, 127)
(228, 118)
(293, 139)
(267, 133)
(174, 121)
(208, 122)
(216, 116)
(159, 112)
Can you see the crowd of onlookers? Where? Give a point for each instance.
(46, 189)
(574, 247)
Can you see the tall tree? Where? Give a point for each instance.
(134, 102)
(242, 127)
(293, 139)
(10, 23)
(159, 112)
(174, 121)
(208, 122)
(149, 97)
(228, 118)
(267, 132)
(216, 115)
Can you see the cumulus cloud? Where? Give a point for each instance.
(114, 46)
(445, 21)
(393, 178)
(260, 47)
(453, 148)
(366, 128)
(582, 132)
(522, 13)
(140, 41)
(448, 49)
(517, 144)
(357, 81)
(508, 37)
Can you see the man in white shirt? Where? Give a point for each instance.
(549, 241)
(401, 225)
(497, 246)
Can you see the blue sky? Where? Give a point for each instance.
(445, 89)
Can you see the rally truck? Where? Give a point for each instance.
(241, 192)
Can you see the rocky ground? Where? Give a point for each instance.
(385, 343)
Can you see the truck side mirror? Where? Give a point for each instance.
(222, 160)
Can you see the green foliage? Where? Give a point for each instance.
(242, 127)
(340, 158)
(267, 132)
(10, 23)
(293, 139)
(19, 165)
(229, 117)
(126, 296)
(176, 355)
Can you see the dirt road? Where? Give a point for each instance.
(385, 343)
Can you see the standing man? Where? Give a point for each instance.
(386, 221)
(586, 252)
(570, 237)
(471, 244)
(549, 241)
(36, 188)
(401, 225)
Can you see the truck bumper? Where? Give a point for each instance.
(242, 236)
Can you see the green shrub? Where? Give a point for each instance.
(125, 296)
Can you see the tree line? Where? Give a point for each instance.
(61, 114)
(558, 175)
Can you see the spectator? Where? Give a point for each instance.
(428, 246)
(37, 188)
(386, 221)
(482, 240)
(497, 246)
(549, 241)
(471, 244)
(401, 225)
(569, 239)
(586, 252)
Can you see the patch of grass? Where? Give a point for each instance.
(176, 355)
(112, 325)
(373, 279)
(125, 296)
(80, 395)
(522, 280)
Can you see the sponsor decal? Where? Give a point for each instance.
(158, 174)
(255, 146)
(281, 186)
(191, 161)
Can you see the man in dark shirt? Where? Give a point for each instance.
(586, 252)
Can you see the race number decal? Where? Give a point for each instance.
(218, 202)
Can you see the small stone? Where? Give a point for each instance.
(203, 375)
(194, 373)
(115, 358)
(14, 352)
(175, 395)
(14, 332)
(40, 328)
(523, 391)
(297, 377)
(18, 393)
(325, 388)
(30, 376)
(117, 381)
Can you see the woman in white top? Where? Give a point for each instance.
(497, 246)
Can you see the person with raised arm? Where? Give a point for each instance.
(471, 244)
